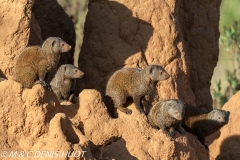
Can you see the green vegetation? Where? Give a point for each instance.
(229, 11)
(226, 78)
(229, 43)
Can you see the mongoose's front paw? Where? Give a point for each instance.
(44, 84)
(142, 111)
(129, 111)
(47, 86)
(170, 134)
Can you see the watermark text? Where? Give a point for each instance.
(42, 154)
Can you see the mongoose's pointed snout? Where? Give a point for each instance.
(81, 74)
(167, 75)
(65, 47)
(227, 117)
(180, 118)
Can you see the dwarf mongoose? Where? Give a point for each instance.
(167, 115)
(135, 83)
(202, 124)
(34, 62)
(63, 83)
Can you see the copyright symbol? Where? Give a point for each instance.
(4, 154)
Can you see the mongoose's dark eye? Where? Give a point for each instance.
(161, 72)
(176, 112)
(62, 44)
(219, 118)
(75, 71)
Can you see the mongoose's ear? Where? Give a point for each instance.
(53, 43)
(228, 112)
(65, 68)
(151, 69)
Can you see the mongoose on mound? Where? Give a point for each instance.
(34, 62)
(202, 124)
(167, 115)
(135, 83)
(63, 83)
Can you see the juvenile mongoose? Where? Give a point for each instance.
(63, 83)
(34, 62)
(202, 124)
(135, 83)
(167, 116)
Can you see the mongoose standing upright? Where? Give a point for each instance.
(167, 116)
(202, 124)
(135, 83)
(63, 83)
(34, 62)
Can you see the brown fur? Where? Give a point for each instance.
(167, 116)
(63, 84)
(34, 62)
(135, 83)
(202, 124)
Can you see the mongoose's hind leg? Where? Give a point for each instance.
(136, 100)
(114, 113)
(125, 110)
(118, 103)
(27, 78)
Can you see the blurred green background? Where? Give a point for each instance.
(77, 10)
(229, 11)
(225, 81)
